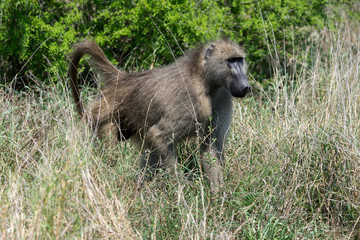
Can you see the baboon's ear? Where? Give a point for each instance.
(209, 51)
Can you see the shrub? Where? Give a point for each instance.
(36, 36)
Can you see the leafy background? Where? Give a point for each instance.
(36, 35)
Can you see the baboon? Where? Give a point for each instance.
(159, 107)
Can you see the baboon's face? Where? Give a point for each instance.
(238, 84)
(225, 66)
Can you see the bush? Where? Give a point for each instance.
(36, 36)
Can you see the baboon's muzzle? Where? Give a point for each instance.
(239, 87)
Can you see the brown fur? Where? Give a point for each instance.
(163, 105)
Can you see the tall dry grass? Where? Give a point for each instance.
(292, 169)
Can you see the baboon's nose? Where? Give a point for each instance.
(239, 91)
(246, 90)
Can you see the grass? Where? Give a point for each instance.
(292, 169)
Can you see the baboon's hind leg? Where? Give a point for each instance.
(162, 150)
(108, 135)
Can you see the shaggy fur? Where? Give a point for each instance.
(161, 106)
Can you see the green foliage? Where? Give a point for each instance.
(156, 29)
(36, 36)
(38, 41)
(270, 28)
(14, 33)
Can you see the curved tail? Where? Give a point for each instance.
(98, 60)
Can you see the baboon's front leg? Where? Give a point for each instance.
(212, 167)
(212, 157)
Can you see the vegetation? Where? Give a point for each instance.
(35, 36)
(292, 169)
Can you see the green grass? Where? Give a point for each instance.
(292, 169)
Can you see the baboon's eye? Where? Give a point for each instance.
(235, 59)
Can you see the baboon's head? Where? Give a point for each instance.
(224, 65)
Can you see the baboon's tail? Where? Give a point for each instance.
(98, 60)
